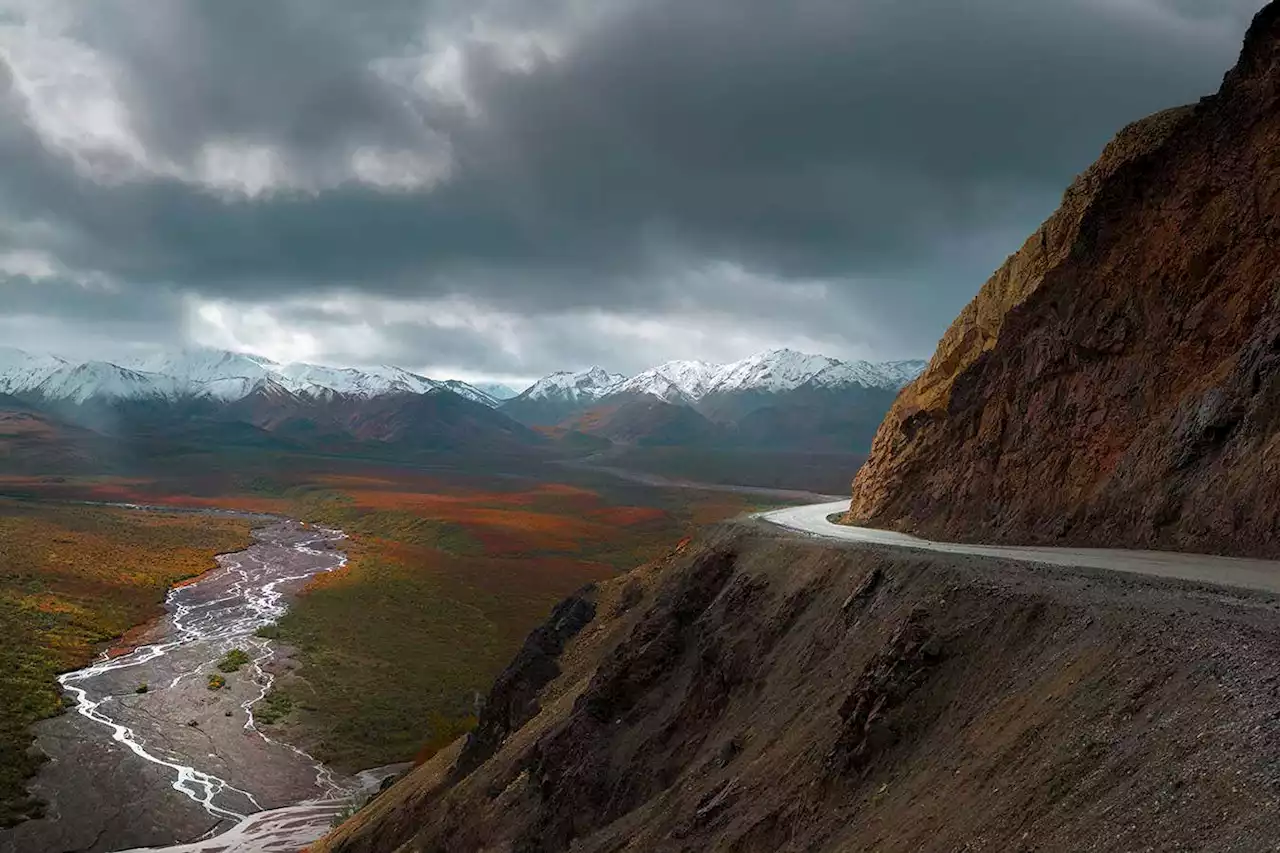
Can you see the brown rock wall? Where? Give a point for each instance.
(1121, 385)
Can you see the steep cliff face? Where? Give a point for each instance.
(1118, 380)
(756, 694)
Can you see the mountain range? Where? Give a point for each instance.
(777, 399)
(208, 374)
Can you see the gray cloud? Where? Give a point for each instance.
(863, 164)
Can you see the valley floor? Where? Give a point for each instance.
(457, 567)
(161, 742)
(71, 578)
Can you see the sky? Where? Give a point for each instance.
(497, 189)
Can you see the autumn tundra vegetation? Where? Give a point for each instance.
(73, 579)
(458, 566)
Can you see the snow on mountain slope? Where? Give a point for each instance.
(898, 374)
(320, 381)
(197, 366)
(772, 371)
(228, 376)
(781, 370)
(228, 389)
(21, 372)
(688, 382)
(231, 376)
(889, 375)
(470, 392)
(103, 381)
(674, 382)
(496, 391)
(564, 386)
(210, 373)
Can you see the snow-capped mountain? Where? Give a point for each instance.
(100, 380)
(194, 366)
(727, 393)
(573, 387)
(317, 380)
(772, 371)
(780, 370)
(471, 392)
(555, 397)
(674, 382)
(210, 374)
(497, 391)
(21, 372)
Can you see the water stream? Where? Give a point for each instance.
(161, 748)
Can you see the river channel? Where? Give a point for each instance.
(149, 756)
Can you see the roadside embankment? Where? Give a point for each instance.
(756, 692)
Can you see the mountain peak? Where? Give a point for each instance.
(79, 383)
(568, 386)
(497, 390)
(21, 371)
(1261, 51)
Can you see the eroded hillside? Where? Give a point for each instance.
(1118, 381)
(753, 693)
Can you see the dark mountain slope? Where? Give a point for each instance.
(816, 420)
(36, 442)
(1118, 382)
(273, 418)
(647, 421)
(765, 695)
(438, 420)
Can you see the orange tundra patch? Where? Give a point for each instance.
(628, 516)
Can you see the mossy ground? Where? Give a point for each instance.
(72, 578)
(444, 582)
(450, 568)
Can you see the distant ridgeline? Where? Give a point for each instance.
(778, 400)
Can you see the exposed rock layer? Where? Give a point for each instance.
(1117, 382)
(764, 694)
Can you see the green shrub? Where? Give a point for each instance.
(233, 660)
(217, 682)
(274, 706)
(141, 688)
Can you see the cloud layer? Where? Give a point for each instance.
(507, 187)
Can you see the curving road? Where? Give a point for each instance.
(1262, 575)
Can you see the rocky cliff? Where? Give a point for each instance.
(1117, 381)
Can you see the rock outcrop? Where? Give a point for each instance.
(513, 699)
(1118, 381)
(762, 694)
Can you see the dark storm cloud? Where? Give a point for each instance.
(289, 73)
(897, 151)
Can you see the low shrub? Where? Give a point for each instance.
(233, 660)
(274, 706)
